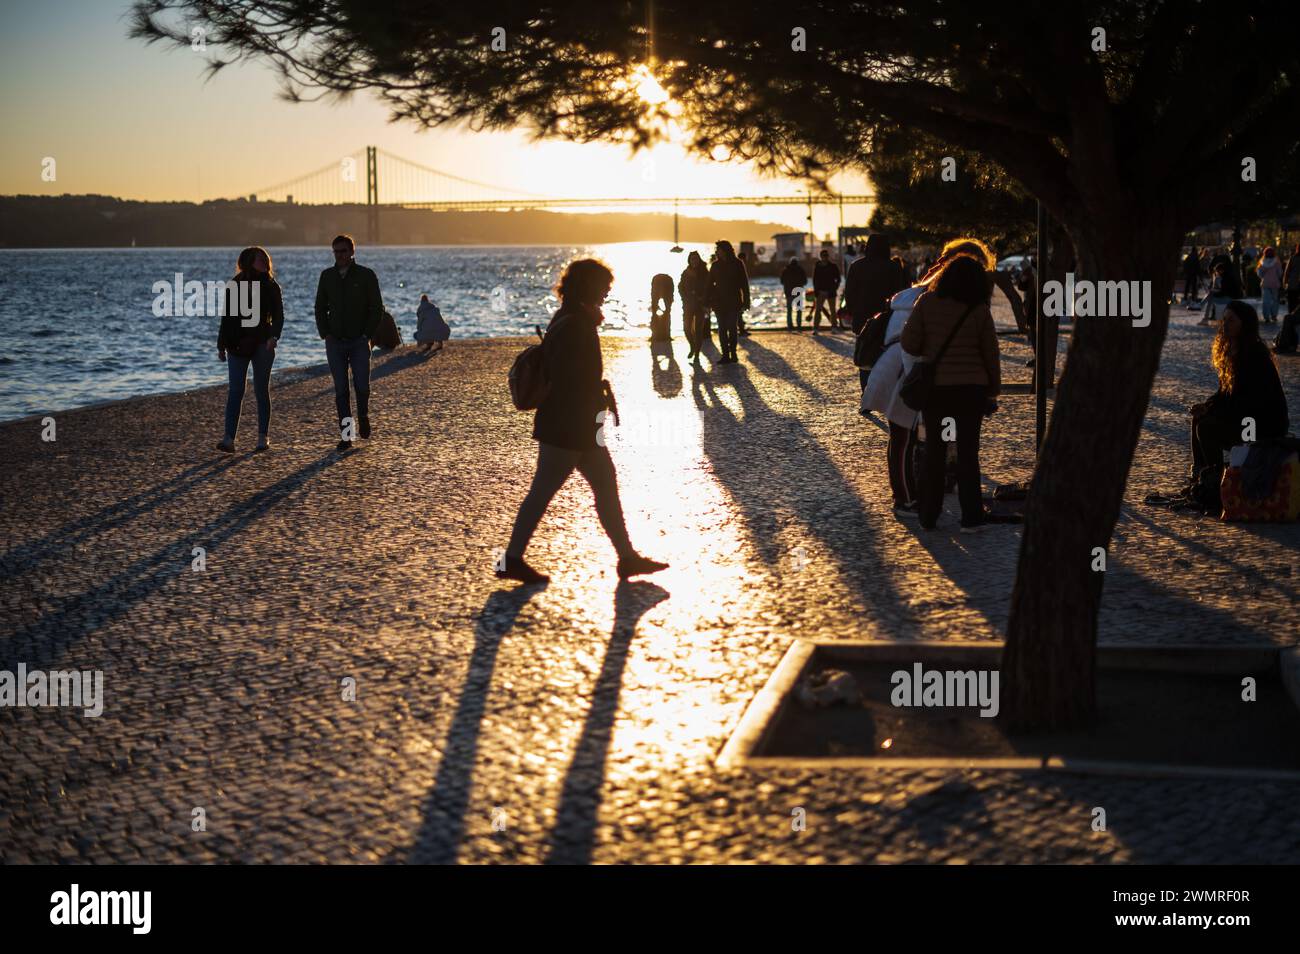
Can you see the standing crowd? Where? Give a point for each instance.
(927, 351)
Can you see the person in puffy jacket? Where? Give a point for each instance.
(880, 392)
(954, 317)
(430, 327)
(1269, 271)
(570, 424)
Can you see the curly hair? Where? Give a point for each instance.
(971, 248)
(1224, 355)
(968, 245)
(964, 280)
(583, 281)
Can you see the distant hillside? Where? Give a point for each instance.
(28, 221)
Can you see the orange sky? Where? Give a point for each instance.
(140, 122)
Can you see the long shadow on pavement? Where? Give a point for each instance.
(575, 823)
(72, 618)
(24, 557)
(801, 479)
(773, 365)
(443, 827)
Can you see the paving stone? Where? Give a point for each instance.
(589, 712)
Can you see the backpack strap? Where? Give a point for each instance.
(957, 327)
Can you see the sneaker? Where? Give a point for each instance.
(636, 565)
(906, 510)
(226, 445)
(365, 427)
(343, 445)
(262, 443)
(517, 569)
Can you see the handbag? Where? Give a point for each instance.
(870, 342)
(916, 387)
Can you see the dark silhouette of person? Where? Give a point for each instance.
(728, 297)
(661, 294)
(241, 342)
(872, 280)
(740, 320)
(1291, 280)
(826, 286)
(693, 286)
(569, 424)
(793, 280)
(349, 308)
(967, 380)
(1191, 276)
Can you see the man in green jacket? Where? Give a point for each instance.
(348, 310)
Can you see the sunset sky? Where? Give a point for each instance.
(126, 119)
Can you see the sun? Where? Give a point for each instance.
(648, 86)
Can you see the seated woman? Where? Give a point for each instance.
(1249, 387)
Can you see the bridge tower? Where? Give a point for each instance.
(372, 195)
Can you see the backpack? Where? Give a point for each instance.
(387, 336)
(870, 343)
(529, 382)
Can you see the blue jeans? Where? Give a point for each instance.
(1270, 303)
(261, 361)
(790, 316)
(343, 353)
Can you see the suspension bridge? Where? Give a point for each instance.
(359, 179)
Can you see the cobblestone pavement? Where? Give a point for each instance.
(582, 719)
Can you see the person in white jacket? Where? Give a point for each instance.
(887, 374)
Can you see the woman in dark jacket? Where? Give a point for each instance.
(569, 426)
(694, 289)
(241, 342)
(1249, 387)
(954, 317)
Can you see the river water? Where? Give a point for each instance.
(77, 326)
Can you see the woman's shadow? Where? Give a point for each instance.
(575, 821)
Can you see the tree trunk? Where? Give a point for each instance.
(1078, 483)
